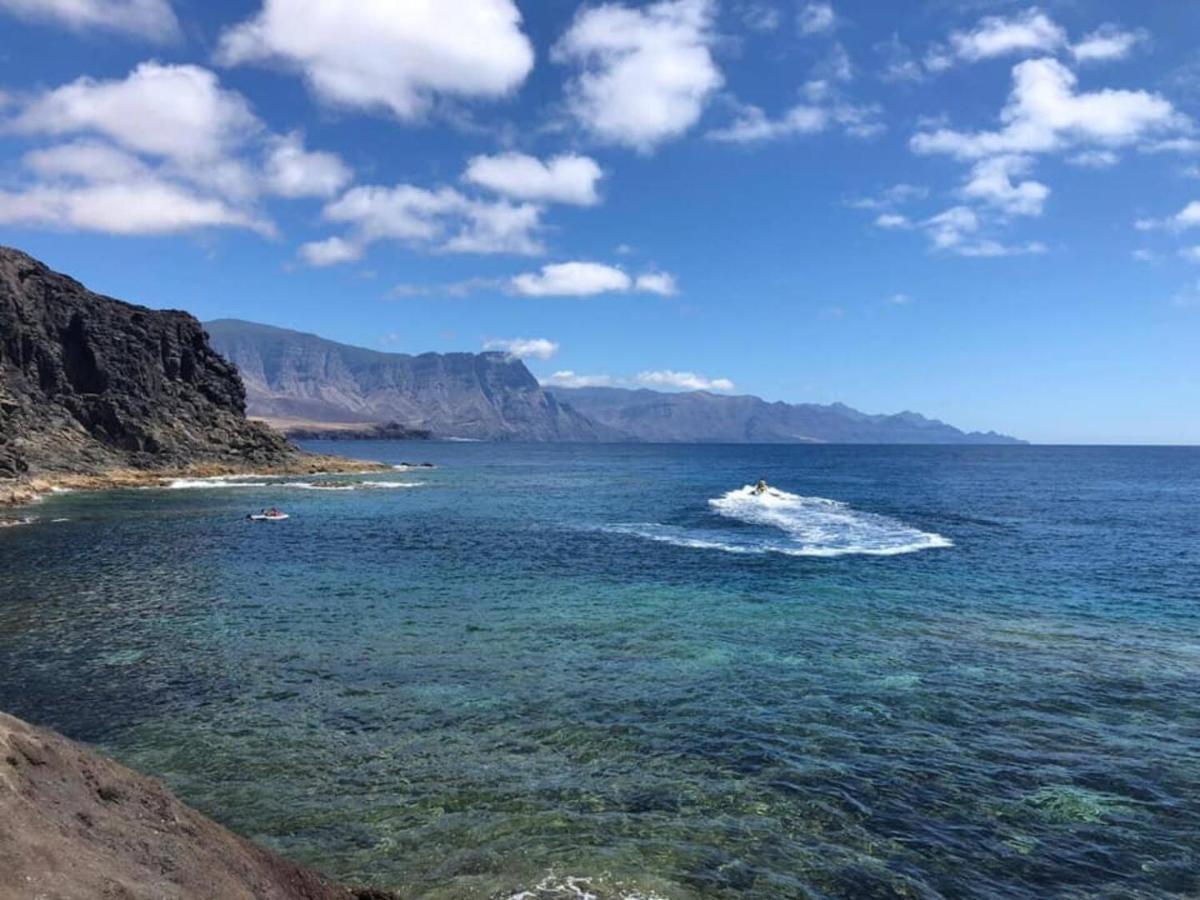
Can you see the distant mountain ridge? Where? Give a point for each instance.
(303, 378)
(703, 417)
(292, 375)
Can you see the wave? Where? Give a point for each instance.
(574, 887)
(793, 525)
(239, 481)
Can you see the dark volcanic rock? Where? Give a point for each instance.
(485, 396)
(88, 383)
(77, 826)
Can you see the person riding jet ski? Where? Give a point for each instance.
(761, 488)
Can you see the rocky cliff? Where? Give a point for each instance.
(77, 826)
(702, 417)
(89, 384)
(485, 396)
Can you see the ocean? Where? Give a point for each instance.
(613, 672)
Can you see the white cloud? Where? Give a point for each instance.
(1172, 145)
(1108, 42)
(759, 15)
(1191, 254)
(899, 63)
(441, 219)
(991, 180)
(330, 252)
(587, 279)
(646, 72)
(896, 195)
(150, 19)
(824, 108)
(177, 112)
(139, 206)
(956, 230)
(500, 227)
(523, 348)
(569, 178)
(685, 380)
(1045, 113)
(816, 18)
(1027, 32)
(293, 171)
(569, 379)
(661, 283)
(572, 279)
(900, 299)
(86, 160)
(1095, 159)
(892, 221)
(381, 54)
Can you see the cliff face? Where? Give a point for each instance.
(88, 383)
(485, 396)
(77, 826)
(703, 417)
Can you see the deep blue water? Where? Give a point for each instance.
(542, 663)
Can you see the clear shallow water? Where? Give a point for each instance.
(545, 663)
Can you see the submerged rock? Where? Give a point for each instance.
(75, 825)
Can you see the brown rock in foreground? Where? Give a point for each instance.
(75, 825)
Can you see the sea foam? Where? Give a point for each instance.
(793, 525)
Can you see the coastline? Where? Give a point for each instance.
(25, 491)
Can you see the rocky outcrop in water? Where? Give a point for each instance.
(484, 396)
(75, 825)
(89, 384)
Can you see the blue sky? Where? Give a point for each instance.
(988, 212)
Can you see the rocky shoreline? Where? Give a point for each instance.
(75, 825)
(23, 491)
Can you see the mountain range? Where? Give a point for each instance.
(300, 382)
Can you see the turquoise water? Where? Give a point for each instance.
(560, 671)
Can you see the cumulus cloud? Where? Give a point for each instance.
(383, 55)
(661, 283)
(683, 380)
(166, 146)
(645, 73)
(523, 348)
(956, 230)
(1186, 218)
(1094, 159)
(569, 178)
(823, 108)
(816, 18)
(330, 252)
(180, 112)
(293, 171)
(587, 279)
(566, 378)
(150, 19)
(439, 219)
(1046, 113)
(992, 181)
(139, 206)
(892, 220)
(572, 279)
(1031, 31)
(1106, 43)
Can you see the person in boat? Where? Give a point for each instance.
(761, 488)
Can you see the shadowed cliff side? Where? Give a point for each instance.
(483, 396)
(75, 825)
(88, 383)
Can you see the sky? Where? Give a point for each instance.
(984, 211)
